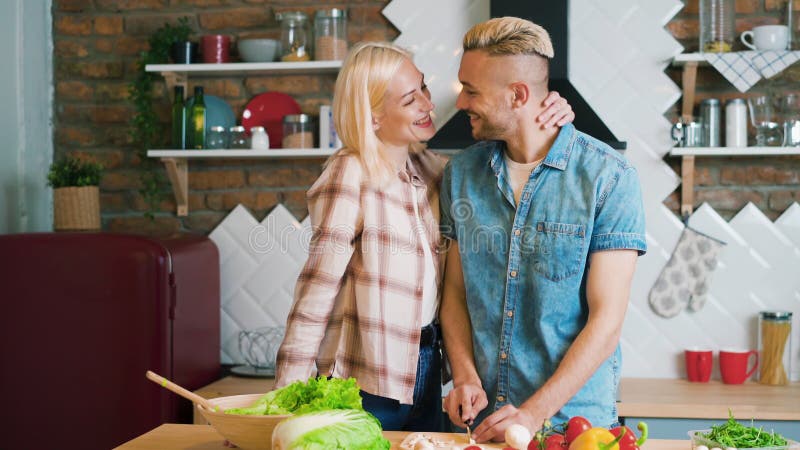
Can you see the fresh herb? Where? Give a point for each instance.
(317, 394)
(73, 172)
(145, 129)
(733, 434)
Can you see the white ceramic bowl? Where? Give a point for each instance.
(258, 50)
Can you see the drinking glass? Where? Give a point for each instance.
(765, 119)
(789, 112)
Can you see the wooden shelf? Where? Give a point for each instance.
(688, 155)
(263, 68)
(176, 163)
(684, 58)
(735, 151)
(242, 153)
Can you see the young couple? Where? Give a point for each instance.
(541, 226)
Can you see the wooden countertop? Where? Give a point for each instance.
(638, 397)
(650, 397)
(203, 437)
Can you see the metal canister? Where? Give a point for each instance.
(710, 117)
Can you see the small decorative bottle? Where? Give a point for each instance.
(178, 120)
(197, 120)
(259, 139)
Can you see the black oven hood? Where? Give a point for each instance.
(553, 16)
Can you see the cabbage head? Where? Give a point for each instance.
(338, 429)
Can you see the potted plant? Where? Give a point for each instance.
(76, 197)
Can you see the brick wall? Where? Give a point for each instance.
(97, 42)
(96, 46)
(727, 184)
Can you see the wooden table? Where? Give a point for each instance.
(203, 437)
(648, 397)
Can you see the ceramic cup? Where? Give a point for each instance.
(698, 364)
(733, 365)
(216, 48)
(184, 52)
(767, 37)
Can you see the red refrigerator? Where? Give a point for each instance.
(84, 316)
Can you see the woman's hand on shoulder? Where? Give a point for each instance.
(557, 111)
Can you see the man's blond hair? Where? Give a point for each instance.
(509, 36)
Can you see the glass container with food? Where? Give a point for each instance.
(295, 39)
(717, 25)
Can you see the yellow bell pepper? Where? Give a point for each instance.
(596, 438)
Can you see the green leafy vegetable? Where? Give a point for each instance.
(734, 434)
(342, 429)
(317, 394)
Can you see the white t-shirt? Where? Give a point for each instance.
(518, 174)
(430, 298)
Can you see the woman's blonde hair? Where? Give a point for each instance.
(358, 96)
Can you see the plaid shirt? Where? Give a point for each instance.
(357, 304)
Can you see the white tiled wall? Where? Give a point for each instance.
(618, 52)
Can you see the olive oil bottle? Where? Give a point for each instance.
(197, 120)
(178, 120)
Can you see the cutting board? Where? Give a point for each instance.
(396, 437)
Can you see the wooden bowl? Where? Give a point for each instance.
(247, 432)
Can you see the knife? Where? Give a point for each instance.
(467, 423)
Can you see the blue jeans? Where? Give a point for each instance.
(426, 412)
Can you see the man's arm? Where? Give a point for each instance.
(467, 393)
(607, 291)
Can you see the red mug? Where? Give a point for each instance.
(698, 365)
(215, 48)
(733, 365)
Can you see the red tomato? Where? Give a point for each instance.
(533, 444)
(473, 447)
(628, 442)
(555, 442)
(575, 427)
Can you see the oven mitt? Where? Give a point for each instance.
(686, 278)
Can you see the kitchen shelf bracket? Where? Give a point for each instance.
(173, 79)
(178, 173)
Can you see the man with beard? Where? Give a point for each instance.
(547, 224)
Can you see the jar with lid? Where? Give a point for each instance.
(258, 138)
(330, 34)
(238, 137)
(717, 25)
(297, 131)
(735, 123)
(295, 36)
(775, 347)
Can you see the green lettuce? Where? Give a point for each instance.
(316, 394)
(339, 429)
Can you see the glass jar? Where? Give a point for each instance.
(330, 34)
(259, 139)
(295, 39)
(238, 137)
(217, 137)
(717, 25)
(775, 347)
(297, 131)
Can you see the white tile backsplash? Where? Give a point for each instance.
(618, 51)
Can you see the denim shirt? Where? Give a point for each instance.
(525, 266)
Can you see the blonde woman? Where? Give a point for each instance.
(366, 302)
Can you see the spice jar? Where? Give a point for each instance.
(295, 41)
(297, 131)
(775, 346)
(330, 32)
(259, 139)
(717, 25)
(238, 137)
